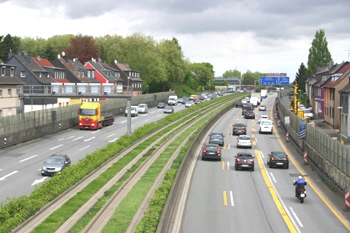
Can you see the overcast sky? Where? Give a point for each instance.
(271, 36)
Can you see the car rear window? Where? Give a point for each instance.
(244, 156)
(279, 155)
(244, 138)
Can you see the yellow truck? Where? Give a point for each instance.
(90, 116)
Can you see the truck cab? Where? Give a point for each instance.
(90, 116)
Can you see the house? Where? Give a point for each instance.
(36, 79)
(75, 72)
(314, 91)
(10, 104)
(79, 76)
(338, 79)
(344, 104)
(58, 74)
(107, 75)
(132, 83)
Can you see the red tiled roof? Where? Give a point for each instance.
(43, 61)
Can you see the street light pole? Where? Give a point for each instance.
(128, 85)
(340, 124)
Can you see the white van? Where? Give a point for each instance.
(266, 127)
(172, 100)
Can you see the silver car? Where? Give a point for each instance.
(143, 108)
(244, 141)
(55, 164)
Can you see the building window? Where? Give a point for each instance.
(9, 91)
(0, 112)
(0, 92)
(3, 71)
(12, 71)
(23, 74)
(9, 112)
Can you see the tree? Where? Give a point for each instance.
(83, 48)
(9, 44)
(202, 72)
(50, 53)
(301, 77)
(319, 55)
(175, 64)
(249, 78)
(33, 47)
(232, 73)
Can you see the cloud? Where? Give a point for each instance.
(252, 34)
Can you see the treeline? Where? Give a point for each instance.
(162, 64)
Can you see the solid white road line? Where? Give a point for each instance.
(296, 217)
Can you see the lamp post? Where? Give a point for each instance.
(128, 85)
(340, 124)
(255, 84)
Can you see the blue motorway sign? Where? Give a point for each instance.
(283, 81)
(274, 80)
(302, 129)
(269, 80)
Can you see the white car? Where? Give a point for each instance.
(134, 111)
(142, 108)
(263, 117)
(266, 126)
(244, 141)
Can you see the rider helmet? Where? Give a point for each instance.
(300, 178)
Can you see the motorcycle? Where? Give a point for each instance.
(301, 195)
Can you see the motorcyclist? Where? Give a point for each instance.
(299, 184)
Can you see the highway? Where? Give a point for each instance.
(221, 199)
(20, 166)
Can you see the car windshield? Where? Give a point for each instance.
(216, 136)
(141, 106)
(307, 111)
(239, 125)
(55, 161)
(244, 156)
(279, 155)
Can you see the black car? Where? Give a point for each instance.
(249, 114)
(55, 164)
(239, 128)
(244, 160)
(278, 159)
(216, 138)
(238, 104)
(211, 151)
(161, 105)
(247, 107)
